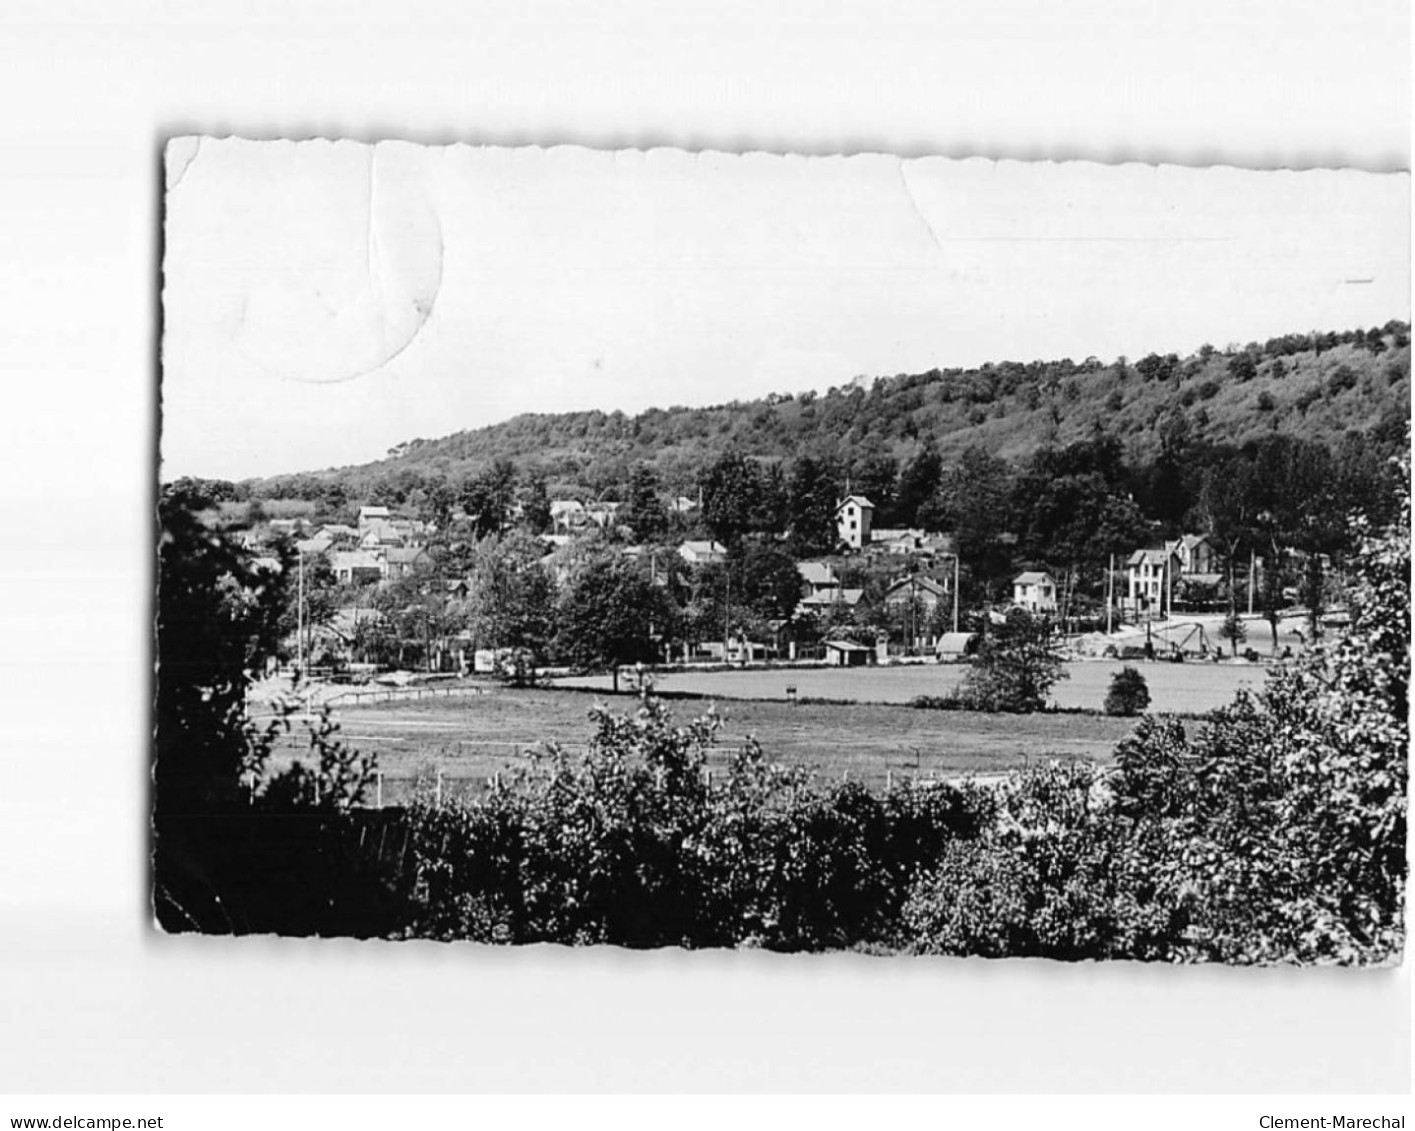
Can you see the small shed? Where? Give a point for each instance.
(848, 654)
(954, 645)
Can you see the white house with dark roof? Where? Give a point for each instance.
(1035, 591)
(853, 518)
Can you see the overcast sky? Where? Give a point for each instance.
(325, 301)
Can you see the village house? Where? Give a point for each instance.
(357, 567)
(602, 514)
(369, 515)
(827, 600)
(818, 576)
(917, 588)
(338, 533)
(318, 544)
(1150, 577)
(401, 561)
(896, 541)
(381, 535)
(568, 514)
(853, 518)
(702, 553)
(1196, 555)
(287, 526)
(1034, 591)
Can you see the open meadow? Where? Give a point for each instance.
(1188, 689)
(468, 737)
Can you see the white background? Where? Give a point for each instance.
(93, 998)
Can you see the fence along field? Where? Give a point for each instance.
(463, 736)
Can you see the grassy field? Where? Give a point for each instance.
(470, 738)
(1191, 688)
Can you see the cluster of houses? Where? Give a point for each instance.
(383, 547)
(1152, 577)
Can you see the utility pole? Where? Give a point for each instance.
(955, 592)
(1109, 594)
(727, 618)
(1252, 573)
(300, 618)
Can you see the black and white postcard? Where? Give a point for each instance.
(690, 549)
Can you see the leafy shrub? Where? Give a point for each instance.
(1054, 875)
(1274, 834)
(630, 844)
(950, 702)
(1017, 664)
(1342, 379)
(1128, 694)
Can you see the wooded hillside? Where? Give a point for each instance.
(1314, 386)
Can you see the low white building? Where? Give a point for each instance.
(702, 553)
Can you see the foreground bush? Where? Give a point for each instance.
(1128, 694)
(1276, 833)
(630, 844)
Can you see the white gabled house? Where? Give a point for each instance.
(1035, 591)
(853, 518)
(1196, 555)
(1150, 579)
(702, 553)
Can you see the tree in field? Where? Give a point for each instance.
(1017, 664)
(876, 477)
(813, 499)
(1270, 593)
(645, 511)
(1128, 694)
(765, 580)
(974, 501)
(512, 597)
(489, 496)
(732, 496)
(1233, 630)
(918, 482)
(611, 614)
(535, 504)
(320, 597)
